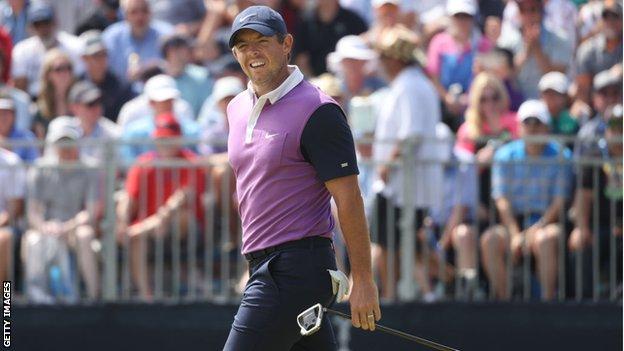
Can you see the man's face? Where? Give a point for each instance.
(138, 14)
(555, 101)
(462, 22)
(179, 54)
(67, 150)
(607, 96)
(96, 63)
(530, 12)
(261, 58)
(353, 71)
(44, 29)
(161, 107)
(612, 24)
(7, 118)
(167, 149)
(533, 126)
(387, 15)
(88, 112)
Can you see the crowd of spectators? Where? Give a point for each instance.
(493, 126)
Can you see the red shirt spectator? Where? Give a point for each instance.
(6, 47)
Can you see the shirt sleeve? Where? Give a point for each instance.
(433, 56)
(500, 170)
(327, 143)
(19, 62)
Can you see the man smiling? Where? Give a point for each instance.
(291, 150)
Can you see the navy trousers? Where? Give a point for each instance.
(281, 286)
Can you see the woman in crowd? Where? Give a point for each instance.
(56, 79)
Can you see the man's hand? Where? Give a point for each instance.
(364, 301)
(531, 36)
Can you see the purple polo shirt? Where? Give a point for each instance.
(279, 194)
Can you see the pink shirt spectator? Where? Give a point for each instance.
(509, 124)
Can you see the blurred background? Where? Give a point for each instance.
(496, 226)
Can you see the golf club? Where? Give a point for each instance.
(310, 321)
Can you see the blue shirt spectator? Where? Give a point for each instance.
(25, 141)
(529, 186)
(14, 20)
(134, 42)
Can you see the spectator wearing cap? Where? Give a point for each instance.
(62, 210)
(319, 31)
(529, 197)
(115, 92)
(13, 176)
(602, 51)
(212, 119)
(537, 50)
(149, 213)
(134, 42)
(553, 87)
(102, 16)
(386, 13)
(192, 80)
(11, 132)
(56, 79)
(139, 107)
(27, 60)
(600, 193)
(162, 93)
(607, 92)
(85, 101)
(21, 100)
(351, 62)
(410, 111)
(450, 59)
(13, 17)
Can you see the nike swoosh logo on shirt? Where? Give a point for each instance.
(270, 136)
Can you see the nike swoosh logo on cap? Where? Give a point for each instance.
(242, 19)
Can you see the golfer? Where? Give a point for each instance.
(291, 151)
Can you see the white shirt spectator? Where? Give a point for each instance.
(12, 178)
(139, 107)
(28, 58)
(411, 110)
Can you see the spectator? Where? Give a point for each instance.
(70, 12)
(499, 61)
(161, 93)
(560, 16)
(184, 15)
(537, 50)
(14, 19)
(448, 232)
(410, 112)
(320, 30)
(601, 187)
(86, 105)
(13, 176)
(105, 14)
(212, 119)
(529, 198)
(387, 13)
(607, 92)
(28, 55)
(139, 107)
(135, 42)
(61, 216)
(554, 92)
(151, 213)
(602, 51)
(56, 80)
(115, 93)
(450, 59)
(10, 131)
(487, 117)
(21, 100)
(193, 81)
(6, 52)
(351, 62)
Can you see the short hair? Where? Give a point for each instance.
(125, 3)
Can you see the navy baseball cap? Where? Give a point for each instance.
(262, 19)
(39, 12)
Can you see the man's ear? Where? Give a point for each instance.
(288, 43)
(234, 53)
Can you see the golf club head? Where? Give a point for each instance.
(310, 320)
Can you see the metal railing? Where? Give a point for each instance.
(197, 255)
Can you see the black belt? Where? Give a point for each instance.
(309, 242)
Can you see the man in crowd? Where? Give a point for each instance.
(12, 194)
(529, 188)
(11, 132)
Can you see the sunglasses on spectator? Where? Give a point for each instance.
(532, 121)
(463, 15)
(490, 98)
(41, 23)
(61, 68)
(530, 9)
(608, 15)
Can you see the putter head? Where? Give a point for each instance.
(310, 320)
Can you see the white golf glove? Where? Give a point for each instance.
(340, 284)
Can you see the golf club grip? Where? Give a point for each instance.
(432, 344)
